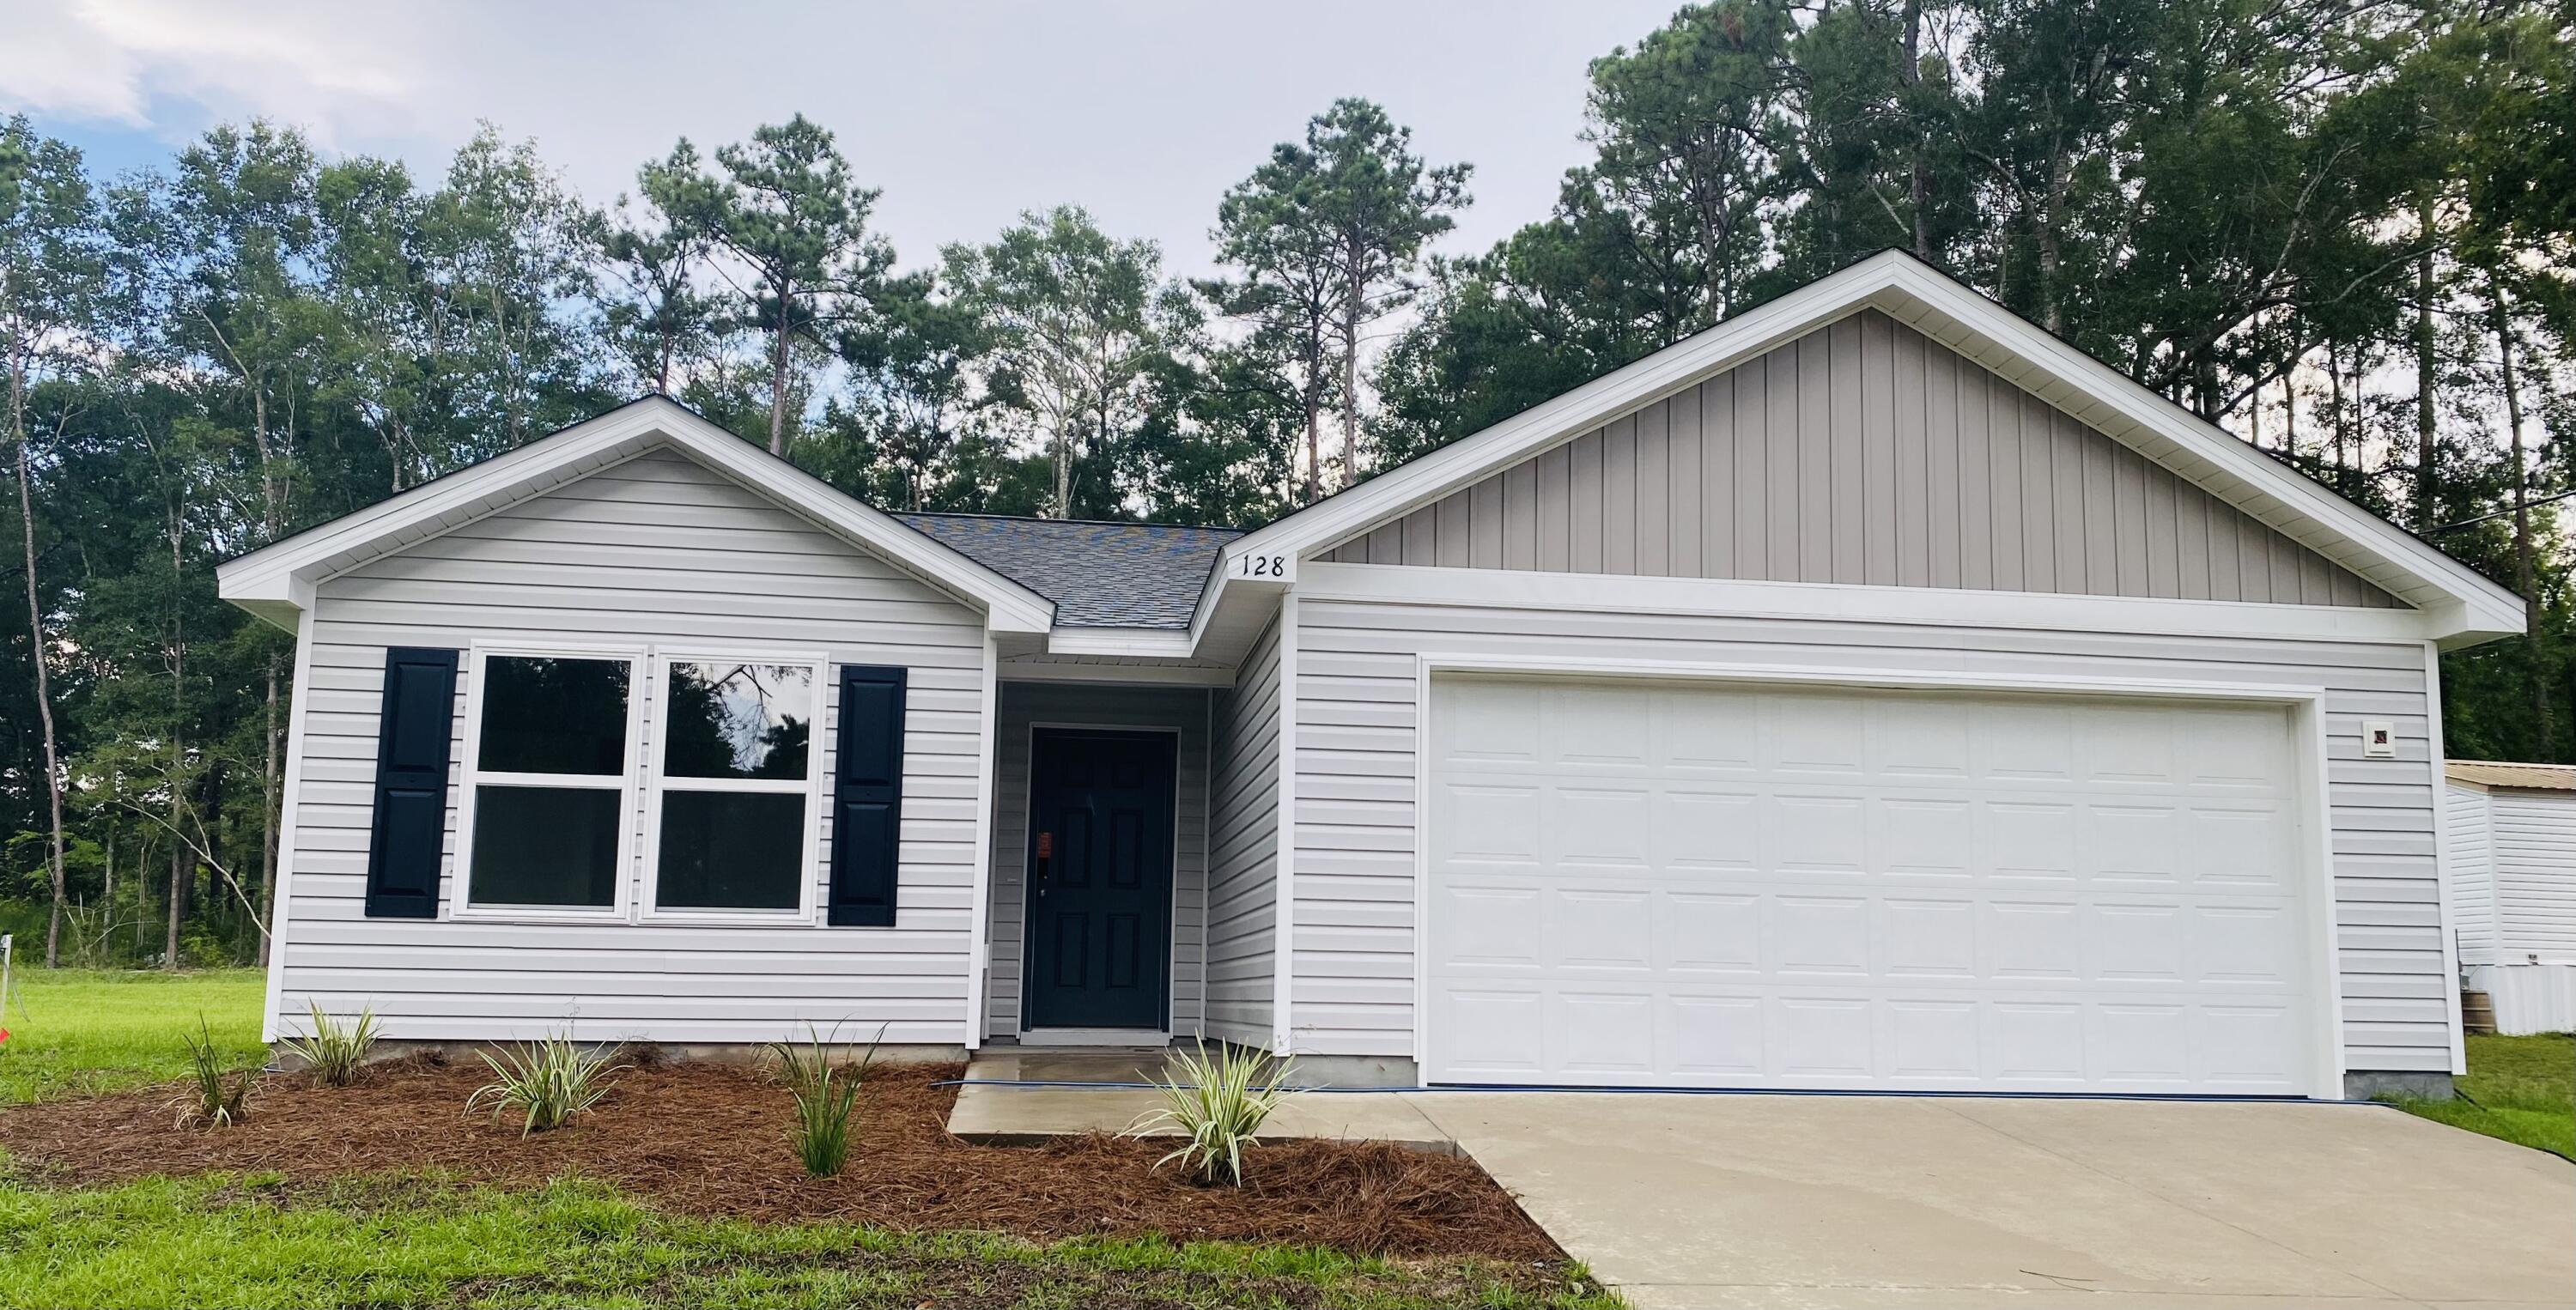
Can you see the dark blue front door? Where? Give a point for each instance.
(1100, 880)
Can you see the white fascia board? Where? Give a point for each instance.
(1836, 602)
(284, 574)
(1148, 643)
(2462, 607)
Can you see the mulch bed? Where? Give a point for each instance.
(711, 1139)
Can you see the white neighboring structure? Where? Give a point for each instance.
(2512, 833)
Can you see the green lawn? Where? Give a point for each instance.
(2522, 1089)
(218, 1242)
(73, 1032)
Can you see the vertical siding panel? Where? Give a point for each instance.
(1584, 545)
(1815, 499)
(1878, 448)
(1848, 478)
(2101, 539)
(1718, 524)
(1689, 512)
(1944, 465)
(2073, 506)
(1999, 412)
(1420, 540)
(1977, 473)
(1556, 510)
(2129, 504)
(1653, 536)
(1913, 486)
(1752, 523)
(2039, 491)
(1386, 544)
(2289, 574)
(2191, 539)
(2226, 569)
(1485, 526)
(1780, 434)
(1619, 526)
(1451, 521)
(2253, 556)
(1521, 516)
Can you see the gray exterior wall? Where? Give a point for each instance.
(1023, 706)
(1355, 759)
(1863, 452)
(658, 549)
(1243, 884)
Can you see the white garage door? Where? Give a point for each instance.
(1730, 885)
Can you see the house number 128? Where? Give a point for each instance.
(1271, 567)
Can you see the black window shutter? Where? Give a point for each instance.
(411, 783)
(867, 797)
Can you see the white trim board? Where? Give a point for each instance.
(2459, 606)
(277, 581)
(2326, 1054)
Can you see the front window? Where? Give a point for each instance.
(550, 781)
(732, 808)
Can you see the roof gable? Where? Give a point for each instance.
(2458, 605)
(1862, 453)
(276, 582)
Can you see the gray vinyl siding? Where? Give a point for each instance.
(1243, 886)
(654, 550)
(2535, 863)
(2471, 872)
(1356, 669)
(1863, 452)
(1023, 705)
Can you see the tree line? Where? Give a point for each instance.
(2341, 229)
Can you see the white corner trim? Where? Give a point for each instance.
(299, 692)
(282, 575)
(2443, 867)
(979, 968)
(1283, 936)
(1855, 603)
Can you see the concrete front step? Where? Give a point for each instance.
(1022, 1097)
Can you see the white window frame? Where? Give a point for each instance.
(656, 782)
(472, 777)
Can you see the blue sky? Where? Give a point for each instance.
(963, 113)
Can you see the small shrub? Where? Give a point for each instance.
(333, 1049)
(1218, 1103)
(214, 1099)
(547, 1081)
(825, 1095)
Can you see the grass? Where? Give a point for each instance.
(216, 1241)
(2521, 1089)
(76, 1032)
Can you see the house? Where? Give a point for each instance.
(2511, 830)
(1871, 692)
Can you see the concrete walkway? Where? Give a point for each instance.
(1870, 1201)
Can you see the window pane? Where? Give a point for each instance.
(738, 720)
(554, 716)
(546, 845)
(731, 850)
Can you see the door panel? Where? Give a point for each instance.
(1732, 885)
(1100, 883)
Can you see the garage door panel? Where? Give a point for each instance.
(1886, 891)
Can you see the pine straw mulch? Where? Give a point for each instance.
(711, 1139)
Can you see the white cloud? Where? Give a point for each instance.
(171, 66)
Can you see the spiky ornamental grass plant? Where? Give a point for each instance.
(333, 1049)
(1218, 1103)
(212, 1100)
(826, 1095)
(548, 1081)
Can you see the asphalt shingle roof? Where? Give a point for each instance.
(1100, 575)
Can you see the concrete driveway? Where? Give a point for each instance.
(1943, 1202)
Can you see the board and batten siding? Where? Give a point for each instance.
(1023, 707)
(1863, 452)
(1243, 852)
(1352, 989)
(659, 550)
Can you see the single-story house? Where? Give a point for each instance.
(2511, 865)
(1870, 692)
